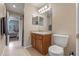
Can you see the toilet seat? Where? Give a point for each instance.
(56, 50)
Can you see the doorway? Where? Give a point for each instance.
(14, 26)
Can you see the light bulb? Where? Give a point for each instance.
(14, 6)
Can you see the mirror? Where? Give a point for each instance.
(47, 18)
(43, 18)
(35, 20)
(38, 20)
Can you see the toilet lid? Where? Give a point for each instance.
(56, 49)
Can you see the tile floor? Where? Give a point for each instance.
(15, 49)
(2, 44)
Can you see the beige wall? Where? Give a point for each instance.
(2, 12)
(64, 22)
(27, 24)
(28, 27)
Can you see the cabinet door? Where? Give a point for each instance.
(33, 37)
(39, 43)
(46, 43)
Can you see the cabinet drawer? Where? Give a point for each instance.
(40, 37)
(33, 36)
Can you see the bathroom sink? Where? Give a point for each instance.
(43, 33)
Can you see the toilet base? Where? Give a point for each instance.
(52, 54)
(56, 51)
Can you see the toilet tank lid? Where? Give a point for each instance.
(61, 35)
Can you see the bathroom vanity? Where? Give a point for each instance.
(41, 41)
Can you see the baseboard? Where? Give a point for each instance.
(28, 46)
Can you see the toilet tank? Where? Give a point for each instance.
(61, 40)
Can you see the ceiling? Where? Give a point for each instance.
(38, 5)
(19, 7)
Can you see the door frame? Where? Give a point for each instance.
(6, 31)
(23, 31)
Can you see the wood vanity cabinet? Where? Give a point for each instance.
(41, 42)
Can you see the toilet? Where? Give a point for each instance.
(60, 42)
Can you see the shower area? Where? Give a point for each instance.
(13, 28)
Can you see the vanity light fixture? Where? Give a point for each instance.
(44, 9)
